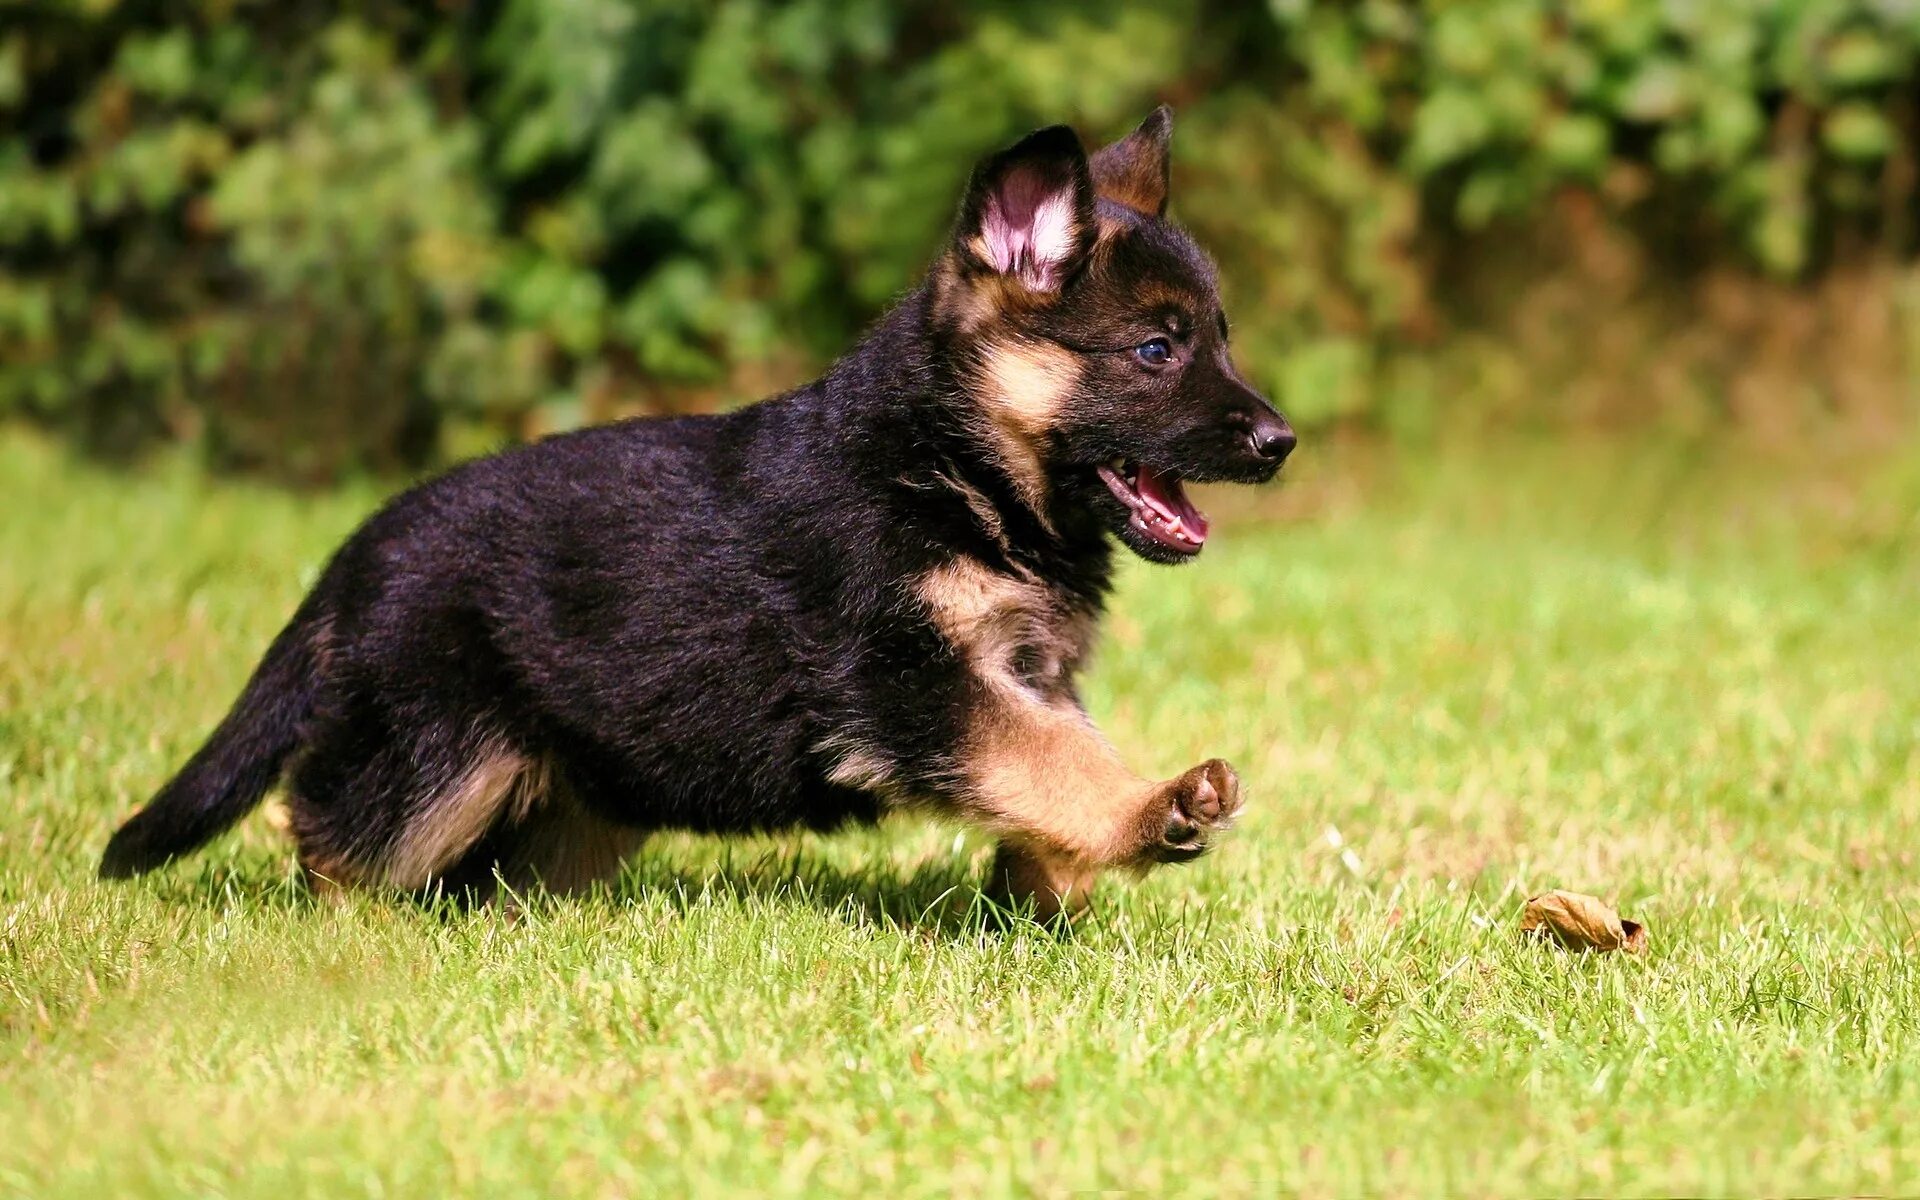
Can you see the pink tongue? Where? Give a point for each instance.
(1169, 499)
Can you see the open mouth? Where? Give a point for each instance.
(1158, 505)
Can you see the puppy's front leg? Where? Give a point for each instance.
(1041, 774)
(1025, 872)
(1029, 762)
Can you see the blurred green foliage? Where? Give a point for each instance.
(317, 236)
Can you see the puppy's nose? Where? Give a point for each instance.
(1273, 439)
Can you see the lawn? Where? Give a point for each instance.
(1686, 680)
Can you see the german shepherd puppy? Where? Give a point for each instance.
(870, 593)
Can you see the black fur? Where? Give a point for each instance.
(691, 623)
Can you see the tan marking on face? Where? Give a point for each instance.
(1023, 387)
(500, 783)
(1032, 763)
(1029, 383)
(1149, 294)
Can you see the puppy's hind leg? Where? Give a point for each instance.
(564, 847)
(404, 814)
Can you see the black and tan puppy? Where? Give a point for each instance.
(870, 593)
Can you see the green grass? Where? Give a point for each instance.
(1688, 683)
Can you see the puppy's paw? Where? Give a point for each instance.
(1192, 810)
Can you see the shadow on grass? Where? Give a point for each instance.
(938, 897)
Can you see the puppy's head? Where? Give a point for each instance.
(1089, 338)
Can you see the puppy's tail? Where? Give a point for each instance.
(244, 757)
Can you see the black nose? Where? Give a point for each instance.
(1273, 439)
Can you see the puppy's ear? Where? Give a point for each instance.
(1028, 214)
(1133, 171)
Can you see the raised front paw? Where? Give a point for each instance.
(1189, 812)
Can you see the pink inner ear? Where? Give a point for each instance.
(1028, 229)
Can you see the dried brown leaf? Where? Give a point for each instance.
(1580, 922)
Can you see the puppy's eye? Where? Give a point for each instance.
(1154, 352)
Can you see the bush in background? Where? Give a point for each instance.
(317, 237)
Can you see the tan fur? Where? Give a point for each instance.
(557, 844)
(1152, 294)
(1141, 193)
(500, 783)
(970, 303)
(1055, 885)
(988, 616)
(857, 767)
(992, 616)
(1105, 230)
(1033, 763)
(1046, 772)
(1023, 387)
(1133, 170)
(1029, 383)
(564, 847)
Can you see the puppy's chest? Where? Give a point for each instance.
(1011, 630)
